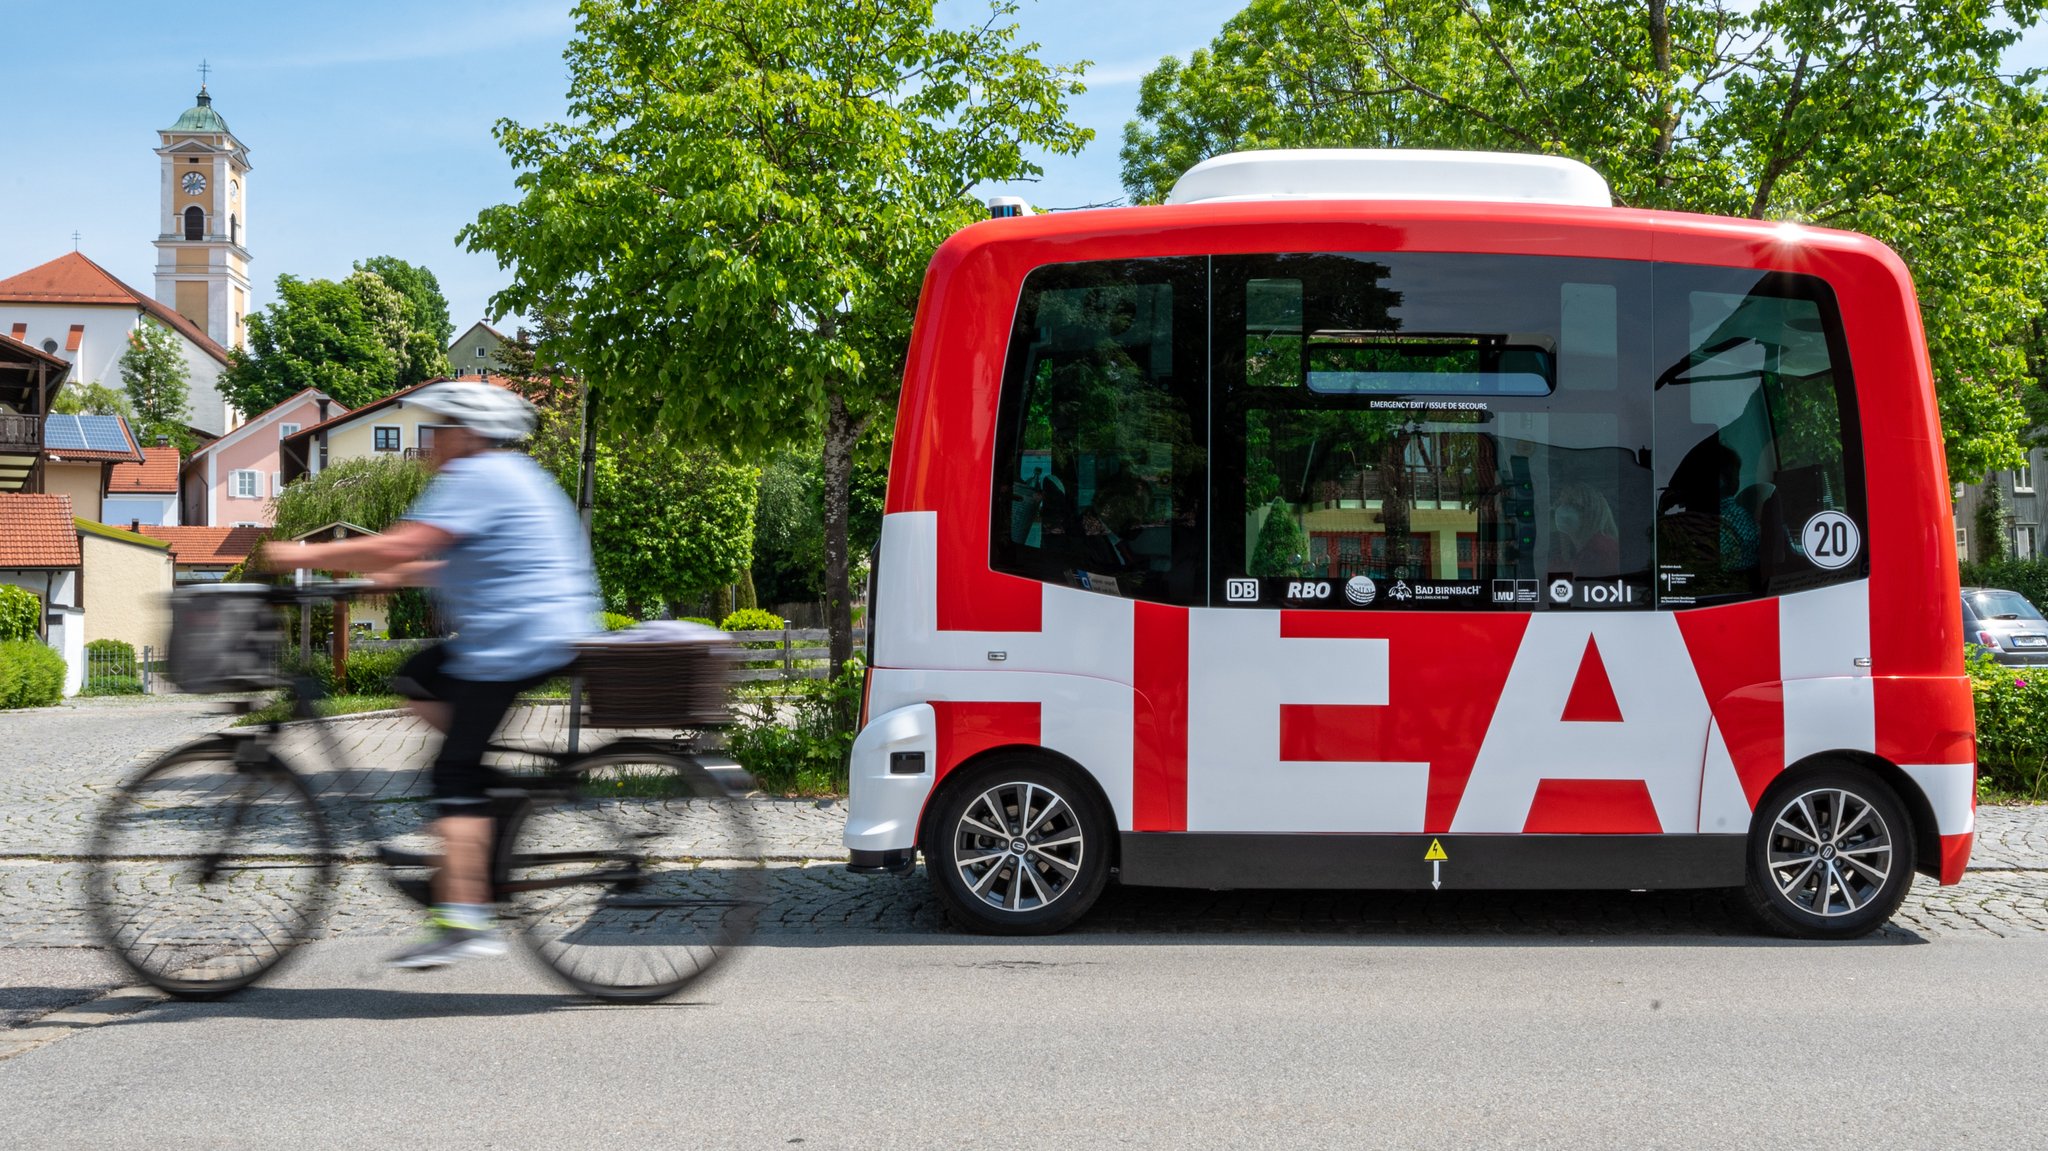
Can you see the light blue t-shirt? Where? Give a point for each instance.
(518, 584)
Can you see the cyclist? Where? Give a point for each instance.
(501, 545)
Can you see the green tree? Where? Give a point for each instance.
(1991, 526)
(155, 378)
(789, 522)
(669, 525)
(369, 493)
(736, 216)
(91, 400)
(1898, 120)
(428, 328)
(349, 338)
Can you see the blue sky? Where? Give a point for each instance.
(369, 122)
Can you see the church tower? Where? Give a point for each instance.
(202, 263)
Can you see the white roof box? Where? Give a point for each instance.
(1390, 174)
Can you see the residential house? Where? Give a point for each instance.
(80, 454)
(76, 310)
(476, 352)
(146, 492)
(2020, 526)
(389, 427)
(125, 582)
(29, 383)
(204, 554)
(231, 481)
(39, 551)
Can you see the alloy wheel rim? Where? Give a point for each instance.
(1018, 846)
(1829, 852)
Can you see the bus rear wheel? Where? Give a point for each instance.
(1830, 856)
(1018, 848)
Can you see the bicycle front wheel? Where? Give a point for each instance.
(640, 883)
(206, 872)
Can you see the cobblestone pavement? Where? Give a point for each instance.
(62, 761)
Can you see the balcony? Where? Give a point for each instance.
(20, 435)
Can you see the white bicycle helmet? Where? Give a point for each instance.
(488, 410)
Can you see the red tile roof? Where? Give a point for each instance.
(223, 546)
(73, 279)
(157, 474)
(36, 531)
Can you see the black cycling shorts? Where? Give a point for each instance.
(476, 708)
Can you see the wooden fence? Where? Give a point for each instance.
(791, 653)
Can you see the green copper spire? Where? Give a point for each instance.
(200, 117)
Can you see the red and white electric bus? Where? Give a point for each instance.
(1415, 520)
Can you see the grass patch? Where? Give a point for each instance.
(278, 710)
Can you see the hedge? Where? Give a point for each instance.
(2012, 729)
(31, 674)
(2027, 577)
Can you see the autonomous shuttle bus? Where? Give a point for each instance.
(1414, 520)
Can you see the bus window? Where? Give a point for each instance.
(1099, 456)
(1431, 430)
(1760, 486)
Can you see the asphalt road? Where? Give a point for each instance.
(1109, 1040)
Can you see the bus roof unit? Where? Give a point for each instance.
(1390, 174)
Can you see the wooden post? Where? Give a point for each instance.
(340, 646)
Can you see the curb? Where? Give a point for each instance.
(62, 1023)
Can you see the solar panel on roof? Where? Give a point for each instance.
(85, 434)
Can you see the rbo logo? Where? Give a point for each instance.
(1308, 589)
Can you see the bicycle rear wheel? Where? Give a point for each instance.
(640, 883)
(207, 873)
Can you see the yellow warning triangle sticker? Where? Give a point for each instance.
(1436, 851)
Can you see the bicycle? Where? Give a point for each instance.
(588, 865)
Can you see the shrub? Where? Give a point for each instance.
(31, 674)
(698, 619)
(799, 740)
(752, 619)
(613, 621)
(2012, 729)
(20, 608)
(110, 657)
(370, 669)
(410, 614)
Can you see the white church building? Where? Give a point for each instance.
(73, 308)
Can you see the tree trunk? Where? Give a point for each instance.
(748, 598)
(1667, 113)
(842, 432)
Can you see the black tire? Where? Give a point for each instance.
(640, 883)
(1830, 855)
(1046, 868)
(206, 875)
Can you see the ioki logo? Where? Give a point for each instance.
(1241, 591)
(1617, 593)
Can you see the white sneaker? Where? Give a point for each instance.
(449, 945)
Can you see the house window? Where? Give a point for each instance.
(2023, 478)
(385, 439)
(1963, 543)
(50, 346)
(195, 223)
(2023, 538)
(245, 485)
(284, 430)
(479, 351)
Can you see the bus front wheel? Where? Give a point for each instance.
(1018, 848)
(1830, 856)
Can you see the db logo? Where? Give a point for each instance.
(1308, 589)
(1560, 591)
(1241, 591)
